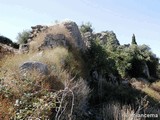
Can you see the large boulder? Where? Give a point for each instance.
(34, 66)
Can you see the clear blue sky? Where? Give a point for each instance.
(124, 17)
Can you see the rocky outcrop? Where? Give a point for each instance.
(87, 37)
(6, 50)
(107, 37)
(74, 33)
(34, 66)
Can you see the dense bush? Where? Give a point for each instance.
(86, 27)
(126, 60)
(132, 60)
(7, 41)
(97, 59)
(97, 56)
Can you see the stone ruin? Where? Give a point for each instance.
(80, 40)
(24, 48)
(52, 40)
(35, 30)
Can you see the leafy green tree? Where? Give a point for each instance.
(122, 58)
(132, 60)
(142, 57)
(23, 37)
(97, 57)
(126, 60)
(134, 40)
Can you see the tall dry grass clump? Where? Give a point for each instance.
(151, 90)
(156, 86)
(73, 101)
(116, 111)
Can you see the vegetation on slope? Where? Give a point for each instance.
(71, 92)
(35, 96)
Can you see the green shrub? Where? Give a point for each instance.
(97, 57)
(132, 60)
(23, 37)
(86, 27)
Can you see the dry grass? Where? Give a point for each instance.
(156, 86)
(50, 57)
(116, 112)
(73, 101)
(55, 60)
(6, 107)
(138, 84)
(152, 90)
(152, 93)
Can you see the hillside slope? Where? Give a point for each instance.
(68, 74)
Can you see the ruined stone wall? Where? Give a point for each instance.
(36, 30)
